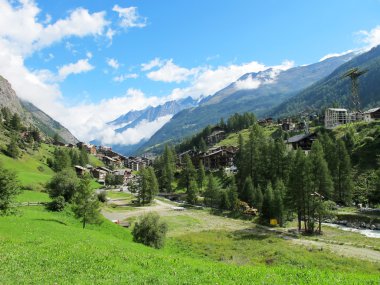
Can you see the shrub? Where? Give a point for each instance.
(57, 205)
(102, 196)
(149, 230)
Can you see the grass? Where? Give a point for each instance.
(31, 169)
(32, 196)
(40, 247)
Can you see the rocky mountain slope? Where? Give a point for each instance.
(253, 92)
(31, 115)
(335, 89)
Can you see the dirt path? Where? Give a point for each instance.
(159, 207)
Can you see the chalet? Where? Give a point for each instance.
(99, 174)
(109, 161)
(91, 149)
(137, 163)
(217, 157)
(193, 155)
(216, 136)
(107, 170)
(303, 141)
(80, 170)
(265, 122)
(287, 126)
(372, 114)
(335, 117)
(126, 174)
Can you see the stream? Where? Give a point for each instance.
(367, 232)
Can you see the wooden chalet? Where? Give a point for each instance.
(218, 157)
(216, 136)
(99, 174)
(80, 170)
(303, 141)
(372, 114)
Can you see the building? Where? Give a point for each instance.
(303, 141)
(216, 136)
(99, 174)
(126, 175)
(218, 157)
(80, 170)
(372, 114)
(335, 117)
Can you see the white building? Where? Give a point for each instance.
(335, 117)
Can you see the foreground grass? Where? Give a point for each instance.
(39, 247)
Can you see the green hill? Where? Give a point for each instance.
(40, 247)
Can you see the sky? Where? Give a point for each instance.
(86, 62)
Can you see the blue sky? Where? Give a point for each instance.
(87, 61)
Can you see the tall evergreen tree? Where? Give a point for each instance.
(15, 122)
(201, 174)
(247, 194)
(9, 188)
(258, 198)
(86, 205)
(278, 202)
(343, 184)
(268, 211)
(167, 176)
(191, 197)
(233, 195)
(188, 173)
(211, 195)
(12, 148)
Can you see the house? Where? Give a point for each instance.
(372, 114)
(99, 174)
(303, 141)
(216, 136)
(265, 122)
(287, 126)
(217, 157)
(109, 161)
(126, 175)
(91, 149)
(335, 117)
(80, 170)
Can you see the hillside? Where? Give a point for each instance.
(31, 115)
(335, 89)
(253, 92)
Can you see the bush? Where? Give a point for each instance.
(57, 205)
(149, 230)
(102, 196)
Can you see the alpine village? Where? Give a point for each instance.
(275, 184)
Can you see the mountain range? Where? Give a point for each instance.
(253, 92)
(31, 115)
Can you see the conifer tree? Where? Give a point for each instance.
(201, 175)
(268, 211)
(86, 205)
(278, 202)
(233, 195)
(224, 201)
(191, 197)
(211, 195)
(188, 173)
(343, 179)
(167, 165)
(9, 188)
(15, 122)
(247, 194)
(258, 199)
(12, 148)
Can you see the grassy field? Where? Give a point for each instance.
(39, 247)
(31, 169)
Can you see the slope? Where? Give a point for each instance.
(335, 89)
(30, 114)
(253, 92)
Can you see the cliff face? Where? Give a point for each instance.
(31, 115)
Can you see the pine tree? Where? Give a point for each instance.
(152, 184)
(12, 148)
(15, 122)
(247, 194)
(224, 203)
(233, 195)
(295, 195)
(201, 175)
(343, 180)
(278, 202)
(191, 197)
(188, 173)
(86, 205)
(167, 172)
(268, 211)
(258, 198)
(9, 188)
(211, 195)
(83, 157)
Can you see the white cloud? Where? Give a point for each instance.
(144, 130)
(124, 77)
(129, 17)
(370, 38)
(248, 83)
(171, 72)
(152, 64)
(80, 66)
(113, 63)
